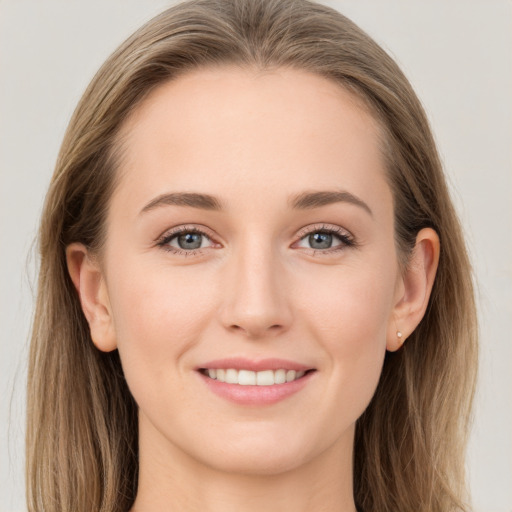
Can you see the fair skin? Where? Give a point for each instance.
(317, 284)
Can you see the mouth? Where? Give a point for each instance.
(245, 377)
(255, 383)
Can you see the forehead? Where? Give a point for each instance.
(213, 129)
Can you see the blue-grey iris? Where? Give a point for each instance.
(190, 240)
(320, 240)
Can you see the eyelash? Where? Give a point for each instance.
(165, 239)
(346, 239)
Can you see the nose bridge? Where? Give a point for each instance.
(256, 302)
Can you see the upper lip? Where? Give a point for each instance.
(240, 363)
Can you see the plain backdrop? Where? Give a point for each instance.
(458, 56)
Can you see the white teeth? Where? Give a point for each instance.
(250, 378)
(246, 378)
(231, 376)
(290, 375)
(280, 376)
(265, 378)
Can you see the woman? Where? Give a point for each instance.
(254, 292)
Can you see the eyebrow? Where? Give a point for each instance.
(303, 201)
(309, 200)
(191, 199)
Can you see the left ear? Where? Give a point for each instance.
(414, 288)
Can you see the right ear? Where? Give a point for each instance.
(90, 284)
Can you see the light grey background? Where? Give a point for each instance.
(458, 55)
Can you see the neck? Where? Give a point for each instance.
(172, 481)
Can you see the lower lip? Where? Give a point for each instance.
(256, 395)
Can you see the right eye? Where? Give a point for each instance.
(189, 241)
(185, 241)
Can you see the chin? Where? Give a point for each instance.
(263, 453)
(270, 462)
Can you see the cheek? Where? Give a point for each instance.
(351, 304)
(351, 323)
(158, 316)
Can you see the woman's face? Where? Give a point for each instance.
(251, 234)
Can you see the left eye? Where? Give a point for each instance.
(189, 241)
(321, 240)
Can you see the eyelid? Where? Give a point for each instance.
(164, 239)
(344, 235)
(328, 228)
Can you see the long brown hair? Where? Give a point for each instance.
(82, 449)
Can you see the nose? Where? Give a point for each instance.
(256, 303)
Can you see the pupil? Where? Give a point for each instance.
(320, 240)
(190, 241)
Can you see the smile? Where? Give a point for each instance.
(253, 378)
(252, 383)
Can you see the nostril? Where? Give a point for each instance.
(254, 330)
